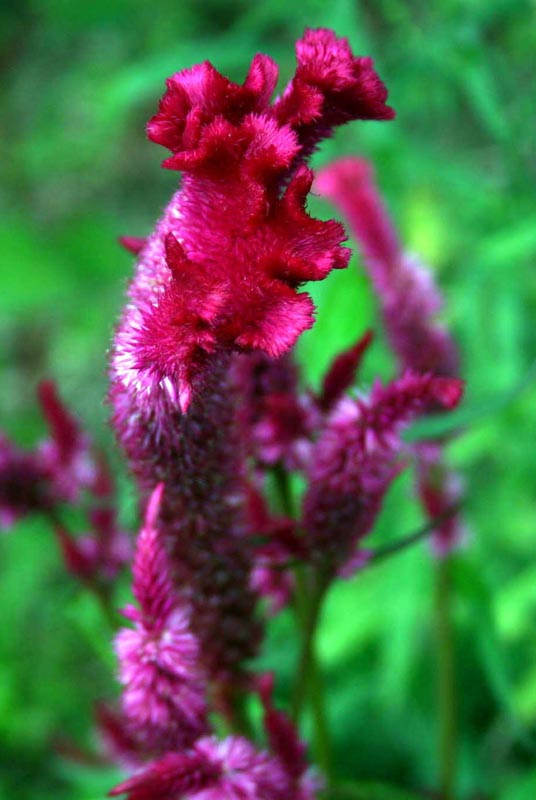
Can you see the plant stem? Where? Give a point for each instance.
(393, 548)
(309, 604)
(311, 588)
(310, 594)
(446, 680)
(322, 740)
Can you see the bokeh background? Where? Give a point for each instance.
(458, 170)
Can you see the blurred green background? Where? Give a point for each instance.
(458, 170)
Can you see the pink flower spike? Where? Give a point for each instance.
(63, 427)
(440, 491)
(277, 421)
(118, 742)
(356, 458)
(176, 775)
(349, 184)
(271, 577)
(77, 562)
(164, 688)
(66, 455)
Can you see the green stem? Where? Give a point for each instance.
(309, 604)
(282, 484)
(446, 680)
(322, 737)
(311, 588)
(309, 686)
(109, 612)
(237, 717)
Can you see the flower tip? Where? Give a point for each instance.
(47, 392)
(449, 391)
(265, 687)
(133, 244)
(153, 506)
(185, 397)
(349, 171)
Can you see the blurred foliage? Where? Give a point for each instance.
(458, 169)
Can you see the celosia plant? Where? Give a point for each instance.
(208, 407)
(409, 302)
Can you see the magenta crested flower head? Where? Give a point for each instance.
(164, 689)
(223, 269)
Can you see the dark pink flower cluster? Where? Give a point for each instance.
(410, 302)
(55, 471)
(355, 460)
(164, 703)
(276, 419)
(64, 469)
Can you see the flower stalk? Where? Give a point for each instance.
(311, 590)
(446, 679)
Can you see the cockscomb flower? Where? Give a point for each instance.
(97, 556)
(231, 769)
(221, 274)
(409, 299)
(278, 419)
(222, 268)
(331, 87)
(164, 689)
(118, 742)
(356, 458)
